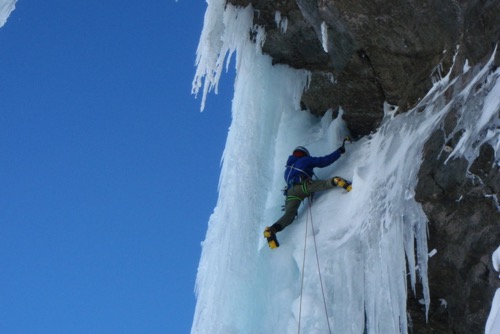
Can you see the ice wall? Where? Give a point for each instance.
(365, 238)
(6, 7)
(231, 284)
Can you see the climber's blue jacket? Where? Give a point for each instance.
(300, 169)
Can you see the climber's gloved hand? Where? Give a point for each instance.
(342, 148)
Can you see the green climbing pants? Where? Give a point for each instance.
(295, 196)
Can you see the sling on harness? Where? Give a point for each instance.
(289, 182)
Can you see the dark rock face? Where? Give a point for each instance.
(388, 50)
(464, 227)
(377, 50)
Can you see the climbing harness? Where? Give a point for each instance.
(310, 218)
(303, 187)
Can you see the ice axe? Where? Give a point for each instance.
(347, 138)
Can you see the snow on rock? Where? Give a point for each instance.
(281, 22)
(6, 7)
(324, 36)
(496, 259)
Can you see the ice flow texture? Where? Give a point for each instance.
(365, 237)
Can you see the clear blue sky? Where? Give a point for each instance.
(108, 171)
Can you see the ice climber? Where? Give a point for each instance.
(300, 185)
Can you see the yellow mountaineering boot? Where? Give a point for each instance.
(342, 183)
(270, 235)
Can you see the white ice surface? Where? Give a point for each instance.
(6, 7)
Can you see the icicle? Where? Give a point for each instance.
(324, 36)
(281, 22)
(221, 35)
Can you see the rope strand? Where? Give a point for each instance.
(302, 279)
(309, 217)
(319, 269)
